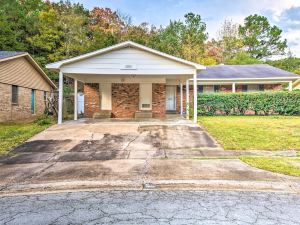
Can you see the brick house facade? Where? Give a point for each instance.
(24, 87)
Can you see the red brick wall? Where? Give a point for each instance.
(91, 99)
(22, 110)
(191, 90)
(125, 100)
(159, 100)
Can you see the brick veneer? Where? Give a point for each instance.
(191, 90)
(91, 99)
(125, 100)
(159, 100)
(22, 110)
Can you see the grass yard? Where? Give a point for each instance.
(284, 165)
(14, 134)
(254, 132)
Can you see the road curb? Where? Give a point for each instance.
(226, 185)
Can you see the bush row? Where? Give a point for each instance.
(260, 103)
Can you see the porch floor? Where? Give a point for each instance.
(171, 119)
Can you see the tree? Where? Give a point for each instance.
(243, 58)
(260, 38)
(291, 63)
(17, 23)
(229, 40)
(193, 37)
(183, 39)
(142, 34)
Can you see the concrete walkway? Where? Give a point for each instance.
(131, 155)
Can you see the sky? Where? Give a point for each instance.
(283, 13)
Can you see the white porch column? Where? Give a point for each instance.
(75, 99)
(60, 96)
(290, 85)
(195, 97)
(187, 106)
(233, 87)
(181, 99)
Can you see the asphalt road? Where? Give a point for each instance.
(152, 207)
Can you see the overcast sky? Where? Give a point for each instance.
(283, 13)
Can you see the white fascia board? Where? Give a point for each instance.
(57, 65)
(252, 79)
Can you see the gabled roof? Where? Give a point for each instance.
(57, 65)
(240, 72)
(9, 55)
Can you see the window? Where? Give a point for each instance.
(32, 101)
(244, 88)
(261, 87)
(216, 88)
(200, 88)
(14, 94)
(45, 96)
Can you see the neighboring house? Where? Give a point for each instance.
(129, 80)
(24, 87)
(244, 78)
(296, 85)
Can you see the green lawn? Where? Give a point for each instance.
(284, 165)
(254, 132)
(12, 135)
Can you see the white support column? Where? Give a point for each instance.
(233, 88)
(181, 99)
(60, 96)
(187, 106)
(75, 99)
(195, 97)
(290, 85)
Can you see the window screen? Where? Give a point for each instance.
(14, 94)
(45, 96)
(216, 88)
(200, 88)
(244, 88)
(261, 87)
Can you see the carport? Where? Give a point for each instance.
(129, 80)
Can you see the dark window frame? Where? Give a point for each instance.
(216, 88)
(14, 95)
(45, 96)
(200, 88)
(261, 87)
(244, 88)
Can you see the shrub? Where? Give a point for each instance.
(44, 120)
(261, 103)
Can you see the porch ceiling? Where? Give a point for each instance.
(100, 78)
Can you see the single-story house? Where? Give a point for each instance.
(130, 80)
(24, 87)
(296, 85)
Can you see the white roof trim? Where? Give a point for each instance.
(261, 78)
(57, 65)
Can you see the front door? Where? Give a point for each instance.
(170, 98)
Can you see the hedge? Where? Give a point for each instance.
(258, 103)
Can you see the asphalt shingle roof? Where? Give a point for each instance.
(244, 72)
(7, 54)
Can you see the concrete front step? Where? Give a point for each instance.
(143, 115)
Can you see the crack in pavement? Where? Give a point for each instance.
(152, 207)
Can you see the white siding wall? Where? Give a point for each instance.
(115, 62)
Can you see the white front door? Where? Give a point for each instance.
(170, 98)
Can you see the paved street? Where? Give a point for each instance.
(152, 207)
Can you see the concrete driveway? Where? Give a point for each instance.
(127, 154)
